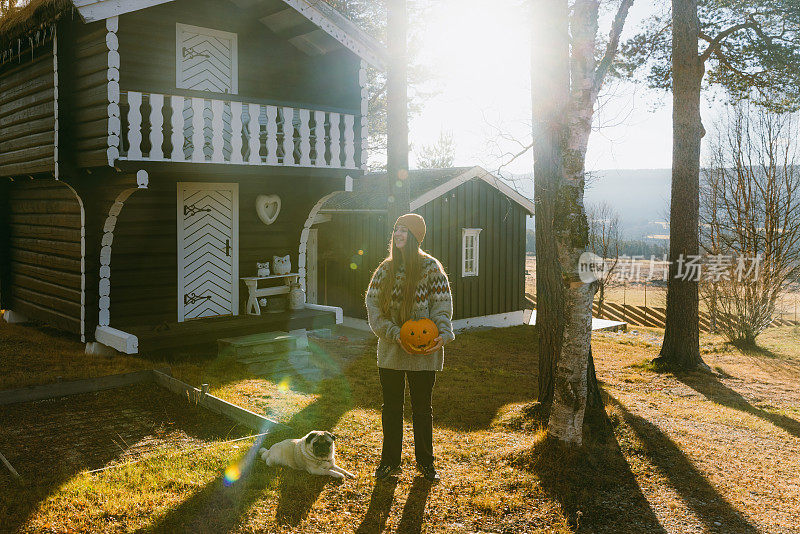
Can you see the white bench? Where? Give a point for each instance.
(253, 308)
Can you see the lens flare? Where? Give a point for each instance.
(284, 385)
(353, 266)
(360, 252)
(232, 474)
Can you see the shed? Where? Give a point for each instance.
(476, 228)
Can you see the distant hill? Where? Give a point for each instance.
(640, 196)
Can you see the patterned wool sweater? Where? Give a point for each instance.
(433, 300)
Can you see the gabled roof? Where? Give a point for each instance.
(333, 27)
(424, 185)
(318, 12)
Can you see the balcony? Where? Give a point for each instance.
(158, 127)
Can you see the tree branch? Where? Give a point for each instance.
(613, 44)
(515, 156)
(751, 78)
(716, 42)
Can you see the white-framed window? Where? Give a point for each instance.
(470, 248)
(206, 59)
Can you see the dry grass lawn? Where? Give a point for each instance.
(693, 453)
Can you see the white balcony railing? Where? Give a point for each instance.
(158, 127)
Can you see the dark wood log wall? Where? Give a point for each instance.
(45, 253)
(343, 274)
(500, 285)
(144, 267)
(27, 114)
(270, 68)
(85, 65)
(5, 231)
(144, 262)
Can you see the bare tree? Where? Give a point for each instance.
(750, 220)
(604, 242)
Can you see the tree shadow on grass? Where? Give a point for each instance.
(380, 504)
(695, 490)
(483, 372)
(594, 484)
(52, 441)
(220, 505)
(710, 387)
(755, 350)
(473, 376)
(298, 491)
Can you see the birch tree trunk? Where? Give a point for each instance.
(572, 234)
(681, 346)
(565, 82)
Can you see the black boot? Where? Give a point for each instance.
(429, 472)
(385, 471)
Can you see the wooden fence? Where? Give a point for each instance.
(648, 315)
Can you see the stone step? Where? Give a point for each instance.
(263, 358)
(256, 344)
(322, 333)
(295, 363)
(296, 359)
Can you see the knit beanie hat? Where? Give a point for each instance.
(415, 224)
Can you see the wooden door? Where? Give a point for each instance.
(311, 267)
(208, 251)
(206, 59)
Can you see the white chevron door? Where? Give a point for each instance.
(208, 250)
(206, 59)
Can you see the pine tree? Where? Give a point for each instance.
(751, 50)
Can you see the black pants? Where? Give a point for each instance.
(393, 385)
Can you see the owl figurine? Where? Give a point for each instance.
(282, 264)
(263, 268)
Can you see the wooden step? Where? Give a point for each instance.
(256, 345)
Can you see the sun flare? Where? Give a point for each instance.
(478, 54)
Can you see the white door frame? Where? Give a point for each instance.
(234, 187)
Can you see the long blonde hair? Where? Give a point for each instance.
(413, 267)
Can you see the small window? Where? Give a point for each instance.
(206, 60)
(470, 241)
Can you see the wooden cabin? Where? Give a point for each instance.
(141, 139)
(475, 227)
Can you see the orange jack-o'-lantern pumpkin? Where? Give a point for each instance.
(419, 335)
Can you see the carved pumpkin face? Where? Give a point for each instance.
(418, 335)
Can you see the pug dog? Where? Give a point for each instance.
(313, 453)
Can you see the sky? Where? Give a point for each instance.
(479, 52)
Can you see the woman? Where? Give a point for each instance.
(408, 284)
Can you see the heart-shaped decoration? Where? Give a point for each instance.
(268, 207)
